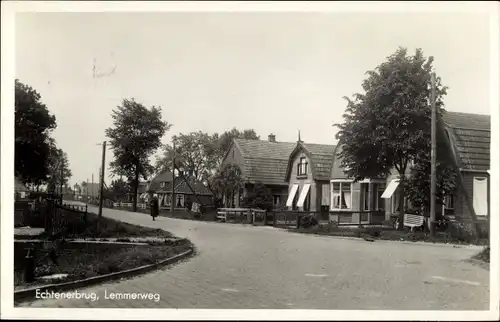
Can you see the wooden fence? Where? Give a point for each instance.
(340, 218)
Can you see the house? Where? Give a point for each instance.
(308, 177)
(349, 198)
(261, 161)
(142, 190)
(161, 187)
(469, 138)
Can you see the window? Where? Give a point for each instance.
(302, 167)
(379, 201)
(480, 196)
(365, 196)
(276, 200)
(395, 202)
(233, 154)
(341, 196)
(180, 201)
(448, 202)
(371, 196)
(325, 195)
(162, 184)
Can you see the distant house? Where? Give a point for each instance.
(90, 190)
(185, 195)
(20, 190)
(469, 135)
(308, 177)
(261, 161)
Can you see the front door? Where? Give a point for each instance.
(307, 202)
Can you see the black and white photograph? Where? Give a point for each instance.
(259, 160)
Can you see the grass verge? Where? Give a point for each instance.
(85, 260)
(385, 233)
(484, 255)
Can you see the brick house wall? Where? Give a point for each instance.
(459, 205)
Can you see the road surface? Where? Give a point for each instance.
(245, 267)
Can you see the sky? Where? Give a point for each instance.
(273, 72)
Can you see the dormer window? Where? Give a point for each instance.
(302, 167)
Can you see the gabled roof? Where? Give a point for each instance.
(265, 149)
(265, 161)
(337, 171)
(164, 176)
(197, 186)
(181, 187)
(470, 135)
(320, 155)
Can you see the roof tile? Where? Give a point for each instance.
(322, 159)
(265, 161)
(471, 135)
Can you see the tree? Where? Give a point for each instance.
(59, 171)
(226, 182)
(195, 152)
(33, 125)
(118, 189)
(418, 185)
(136, 134)
(389, 125)
(260, 197)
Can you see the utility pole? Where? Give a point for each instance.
(172, 203)
(62, 178)
(433, 156)
(92, 192)
(101, 196)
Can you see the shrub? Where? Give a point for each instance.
(308, 221)
(484, 255)
(374, 231)
(260, 198)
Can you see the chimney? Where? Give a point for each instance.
(272, 138)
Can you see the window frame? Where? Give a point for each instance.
(447, 200)
(481, 178)
(364, 196)
(302, 166)
(341, 183)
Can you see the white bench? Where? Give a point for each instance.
(222, 215)
(413, 221)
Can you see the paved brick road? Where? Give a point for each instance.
(242, 267)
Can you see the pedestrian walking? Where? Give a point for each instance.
(154, 207)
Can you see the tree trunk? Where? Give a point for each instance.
(401, 203)
(136, 187)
